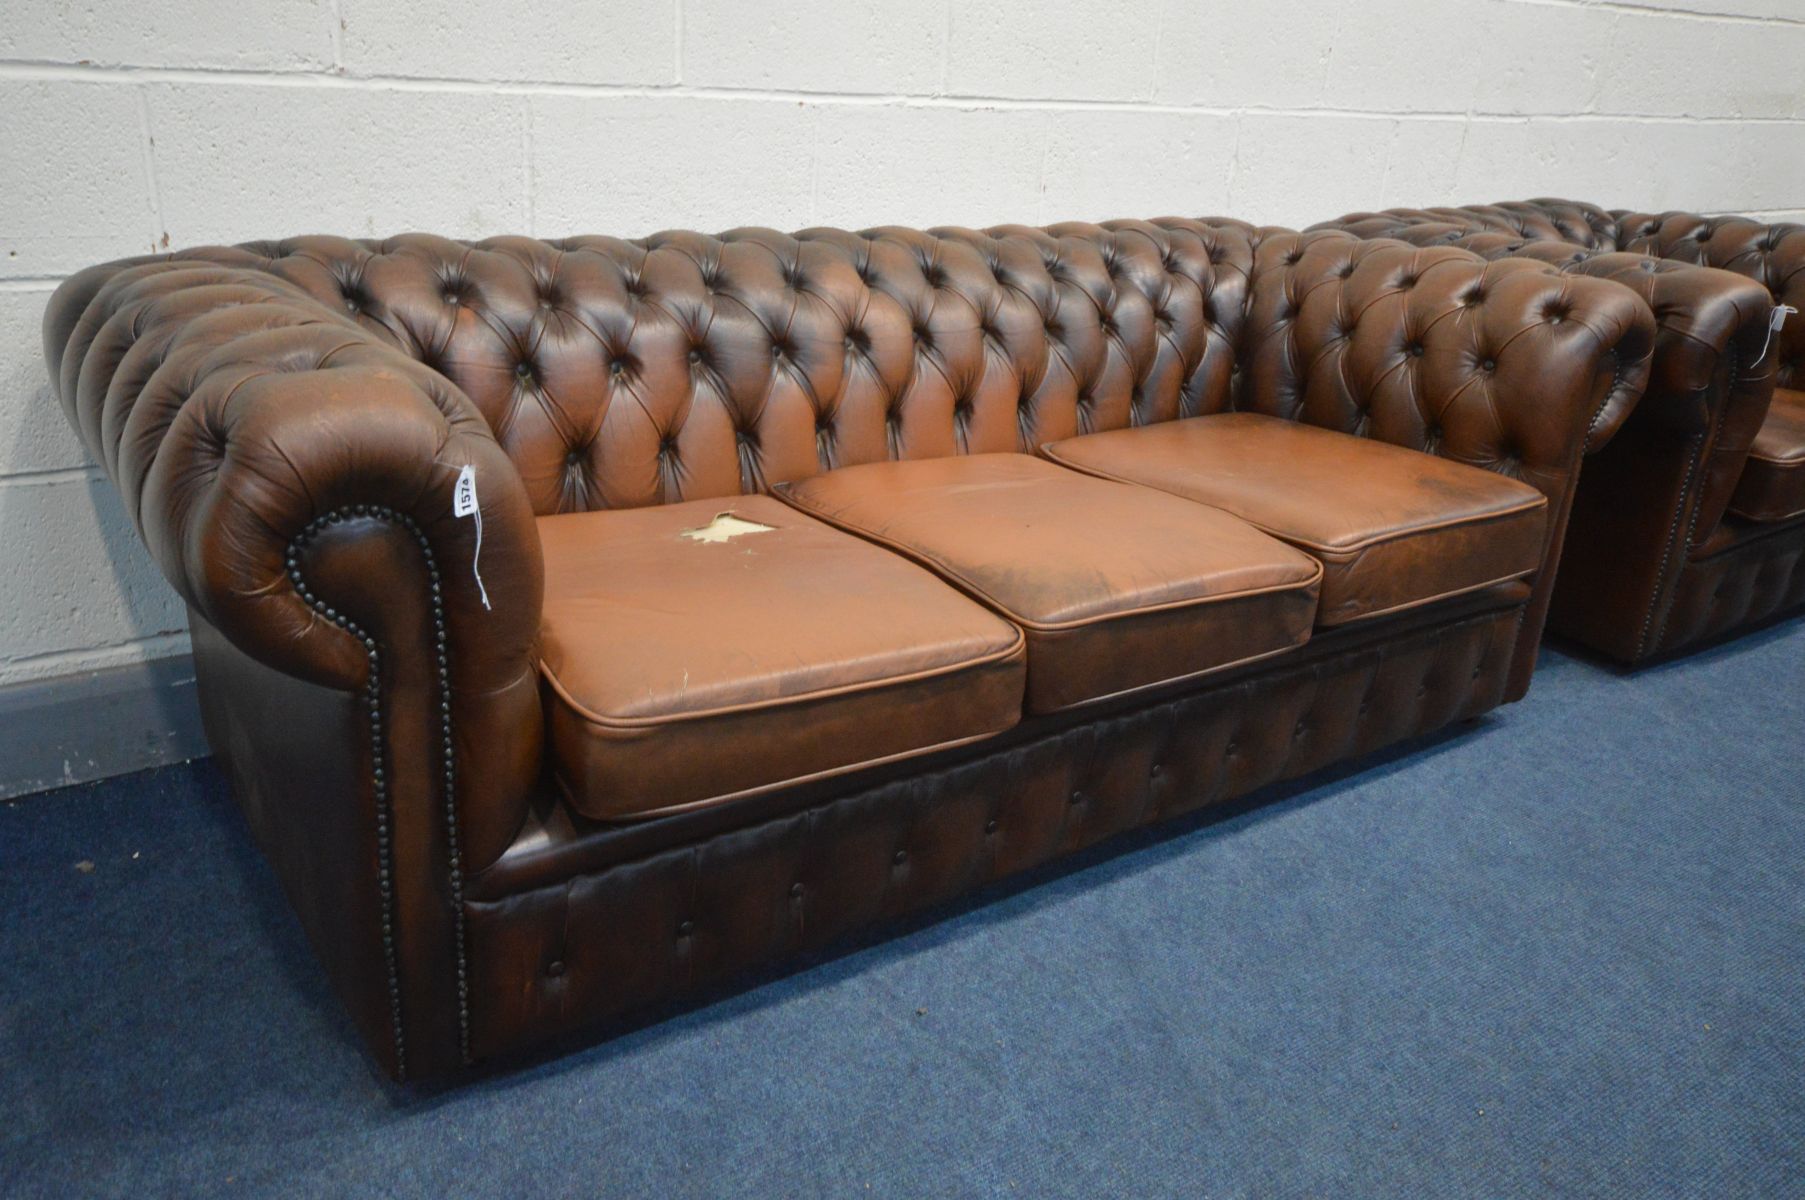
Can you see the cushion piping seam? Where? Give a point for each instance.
(1540, 501)
(977, 590)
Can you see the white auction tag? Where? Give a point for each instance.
(1781, 312)
(464, 504)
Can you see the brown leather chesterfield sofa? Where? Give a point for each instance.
(822, 577)
(1691, 526)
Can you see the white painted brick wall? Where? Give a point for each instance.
(216, 120)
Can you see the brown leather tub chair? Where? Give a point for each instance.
(1691, 526)
(780, 626)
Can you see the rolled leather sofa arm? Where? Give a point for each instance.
(1714, 367)
(1770, 255)
(1708, 365)
(254, 435)
(1373, 332)
(1511, 366)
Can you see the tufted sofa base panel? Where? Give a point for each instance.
(552, 958)
(1747, 575)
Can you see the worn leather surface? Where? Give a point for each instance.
(239, 396)
(1653, 501)
(1117, 587)
(682, 672)
(1772, 484)
(617, 938)
(1393, 528)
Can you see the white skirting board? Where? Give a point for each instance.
(91, 725)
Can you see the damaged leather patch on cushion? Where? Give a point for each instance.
(724, 528)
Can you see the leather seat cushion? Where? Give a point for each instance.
(1117, 587)
(687, 661)
(1392, 527)
(1772, 485)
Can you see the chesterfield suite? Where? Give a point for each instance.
(828, 575)
(1692, 525)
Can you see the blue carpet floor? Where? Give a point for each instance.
(1560, 952)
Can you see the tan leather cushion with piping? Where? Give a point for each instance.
(682, 671)
(1393, 527)
(1117, 587)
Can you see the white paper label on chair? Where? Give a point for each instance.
(463, 500)
(464, 504)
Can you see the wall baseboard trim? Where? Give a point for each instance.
(95, 724)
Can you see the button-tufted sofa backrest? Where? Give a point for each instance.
(620, 373)
(215, 384)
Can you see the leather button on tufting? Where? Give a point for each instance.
(685, 929)
(990, 826)
(900, 857)
(555, 968)
(795, 891)
(1077, 797)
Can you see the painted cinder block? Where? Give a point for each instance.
(1107, 163)
(1293, 170)
(237, 162)
(76, 191)
(1656, 65)
(1393, 56)
(609, 164)
(927, 165)
(272, 35)
(1029, 50)
(91, 585)
(874, 46)
(545, 41)
(34, 435)
(1236, 55)
(1534, 58)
